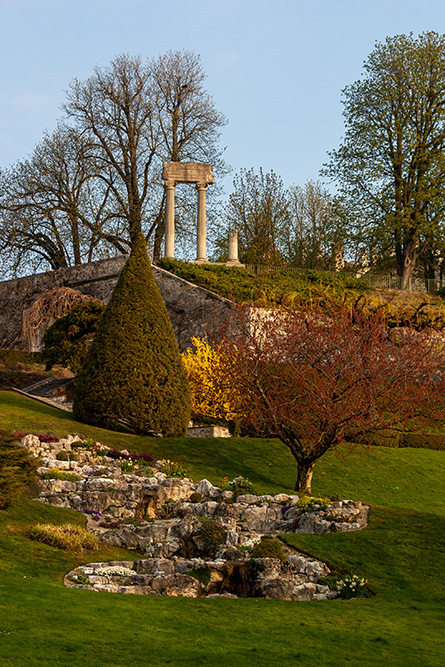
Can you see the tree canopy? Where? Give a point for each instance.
(391, 162)
(297, 226)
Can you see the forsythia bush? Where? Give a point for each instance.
(212, 396)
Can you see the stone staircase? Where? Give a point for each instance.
(56, 392)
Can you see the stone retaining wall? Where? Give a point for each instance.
(192, 310)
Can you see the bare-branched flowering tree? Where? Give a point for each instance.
(314, 378)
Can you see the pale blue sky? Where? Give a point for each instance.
(275, 68)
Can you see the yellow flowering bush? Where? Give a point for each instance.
(306, 502)
(213, 398)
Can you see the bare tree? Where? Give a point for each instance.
(138, 115)
(259, 209)
(315, 236)
(53, 212)
(89, 188)
(298, 226)
(190, 127)
(114, 107)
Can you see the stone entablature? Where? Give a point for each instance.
(188, 172)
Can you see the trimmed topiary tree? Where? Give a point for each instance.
(133, 373)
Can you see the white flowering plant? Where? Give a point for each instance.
(240, 485)
(114, 571)
(351, 587)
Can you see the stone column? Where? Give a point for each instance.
(233, 248)
(201, 250)
(170, 219)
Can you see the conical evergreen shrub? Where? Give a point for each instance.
(133, 373)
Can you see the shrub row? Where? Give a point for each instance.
(395, 439)
(273, 287)
(423, 441)
(293, 288)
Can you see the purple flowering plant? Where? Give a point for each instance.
(93, 513)
(142, 457)
(43, 437)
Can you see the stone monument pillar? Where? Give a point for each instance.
(201, 250)
(233, 248)
(170, 219)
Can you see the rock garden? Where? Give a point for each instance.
(192, 539)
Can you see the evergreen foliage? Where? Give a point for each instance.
(133, 373)
(65, 342)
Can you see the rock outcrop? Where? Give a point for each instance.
(194, 549)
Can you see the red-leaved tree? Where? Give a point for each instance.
(314, 378)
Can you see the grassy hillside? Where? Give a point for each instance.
(271, 287)
(290, 287)
(401, 554)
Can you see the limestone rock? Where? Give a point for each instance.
(174, 585)
(207, 490)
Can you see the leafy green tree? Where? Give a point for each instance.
(391, 162)
(258, 209)
(133, 373)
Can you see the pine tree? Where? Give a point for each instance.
(133, 373)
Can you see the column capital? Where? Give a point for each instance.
(170, 185)
(201, 186)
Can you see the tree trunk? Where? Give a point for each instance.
(159, 236)
(406, 261)
(304, 477)
(407, 273)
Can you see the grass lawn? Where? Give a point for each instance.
(401, 554)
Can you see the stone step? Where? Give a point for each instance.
(49, 387)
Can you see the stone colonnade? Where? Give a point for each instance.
(186, 172)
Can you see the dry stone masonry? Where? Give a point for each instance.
(196, 540)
